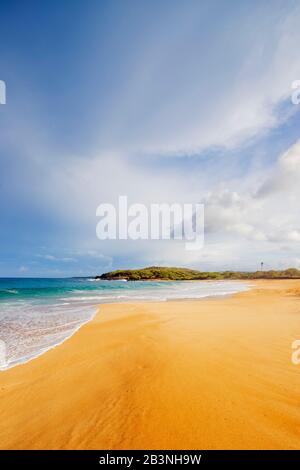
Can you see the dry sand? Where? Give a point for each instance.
(212, 374)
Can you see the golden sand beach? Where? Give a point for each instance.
(210, 374)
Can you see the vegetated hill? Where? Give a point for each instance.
(185, 274)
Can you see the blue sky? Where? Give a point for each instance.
(164, 101)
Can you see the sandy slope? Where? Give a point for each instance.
(198, 374)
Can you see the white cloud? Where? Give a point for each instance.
(23, 269)
(186, 103)
(286, 175)
(187, 92)
(294, 235)
(268, 212)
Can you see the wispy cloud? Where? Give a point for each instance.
(55, 258)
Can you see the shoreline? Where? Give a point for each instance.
(165, 375)
(96, 308)
(40, 353)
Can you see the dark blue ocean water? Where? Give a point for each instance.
(38, 314)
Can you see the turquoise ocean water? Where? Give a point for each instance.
(38, 314)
